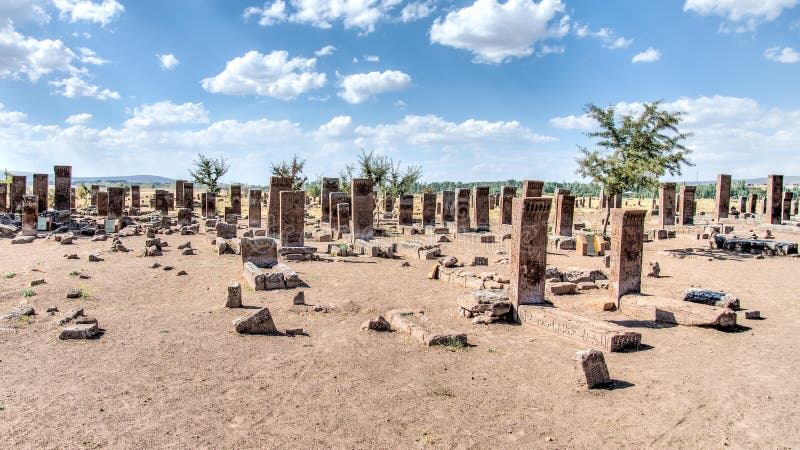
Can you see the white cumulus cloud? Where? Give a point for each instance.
(360, 87)
(88, 56)
(354, 14)
(166, 114)
(741, 15)
(647, 56)
(76, 86)
(496, 32)
(786, 55)
(168, 61)
(103, 12)
(273, 75)
(573, 122)
(325, 51)
(417, 10)
(79, 119)
(23, 55)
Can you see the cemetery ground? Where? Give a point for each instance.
(170, 371)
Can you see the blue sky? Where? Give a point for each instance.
(483, 90)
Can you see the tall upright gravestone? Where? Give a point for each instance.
(448, 206)
(236, 199)
(480, 208)
(723, 196)
(72, 197)
(30, 214)
(179, 193)
(507, 194)
(565, 210)
(343, 217)
(405, 216)
(102, 203)
(334, 199)
(532, 188)
(40, 190)
(627, 246)
(136, 196)
(428, 209)
(666, 204)
(328, 185)
(687, 205)
(95, 190)
(462, 210)
(162, 204)
(116, 202)
(276, 186)
(61, 199)
(529, 250)
(188, 195)
(787, 205)
(292, 218)
(254, 208)
(211, 205)
(3, 197)
(752, 201)
(774, 199)
(361, 205)
(18, 185)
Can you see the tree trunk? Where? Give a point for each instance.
(608, 215)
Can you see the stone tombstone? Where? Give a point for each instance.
(388, 203)
(666, 204)
(236, 199)
(95, 190)
(752, 201)
(343, 217)
(448, 206)
(261, 251)
(18, 186)
(229, 216)
(795, 207)
(565, 210)
(211, 205)
(254, 208)
(203, 206)
(334, 199)
(361, 205)
(116, 202)
(63, 183)
(276, 186)
(328, 185)
(723, 196)
(528, 250)
(161, 201)
(787, 205)
(73, 197)
(428, 209)
(170, 200)
(462, 210)
(292, 218)
(764, 205)
(627, 244)
(102, 203)
(179, 193)
(30, 213)
(188, 195)
(40, 190)
(532, 188)
(136, 196)
(507, 194)
(742, 205)
(593, 366)
(405, 216)
(184, 216)
(687, 205)
(774, 199)
(480, 208)
(3, 197)
(617, 201)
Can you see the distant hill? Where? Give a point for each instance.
(787, 179)
(130, 179)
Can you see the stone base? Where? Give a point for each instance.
(421, 328)
(597, 333)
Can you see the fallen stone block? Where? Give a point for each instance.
(225, 230)
(18, 311)
(80, 331)
(713, 298)
(749, 314)
(254, 277)
(562, 288)
(23, 239)
(377, 324)
(71, 315)
(259, 323)
(492, 303)
(261, 251)
(597, 333)
(667, 310)
(290, 277)
(594, 368)
(424, 330)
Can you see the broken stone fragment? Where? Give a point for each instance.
(299, 299)
(258, 323)
(594, 368)
(655, 270)
(712, 298)
(433, 273)
(562, 288)
(424, 330)
(23, 239)
(295, 332)
(234, 295)
(74, 293)
(37, 282)
(377, 324)
(93, 257)
(18, 311)
(448, 261)
(71, 315)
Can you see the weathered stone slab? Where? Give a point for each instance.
(723, 196)
(462, 210)
(361, 206)
(80, 331)
(236, 199)
(428, 209)
(480, 208)
(40, 190)
(290, 277)
(259, 323)
(30, 205)
(667, 204)
(334, 199)
(18, 186)
(529, 250)
(667, 310)
(448, 211)
(507, 194)
(63, 183)
(234, 295)
(712, 298)
(291, 217)
(627, 247)
(594, 368)
(254, 277)
(261, 251)
(423, 329)
(226, 230)
(328, 185)
(596, 333)
(532, 188)
(774, 200)
(405, 213)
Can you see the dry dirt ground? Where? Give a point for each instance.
(170, 372)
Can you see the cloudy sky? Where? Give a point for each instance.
(483, 90)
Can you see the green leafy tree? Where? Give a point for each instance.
(633, 152)
(402, 181)
(293, 169)
(208, 171)
(6, 177)
(345, 178)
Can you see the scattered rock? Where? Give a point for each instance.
(655, 270)
(23, 239)
(295, 332)
(562, 288)
(187, 252)
(234, 295)
(433, 273)
(37, 282)
(52, 309)
(405, 264)
(74, 293)
(299, 298)
(71, 256)
(181, 273)
(93, 257)
(594, 368)
(71, 315)
(167, 268)
(18, 311)
(448, 261)
(377, 324)
(80, 331)
(155, 265)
